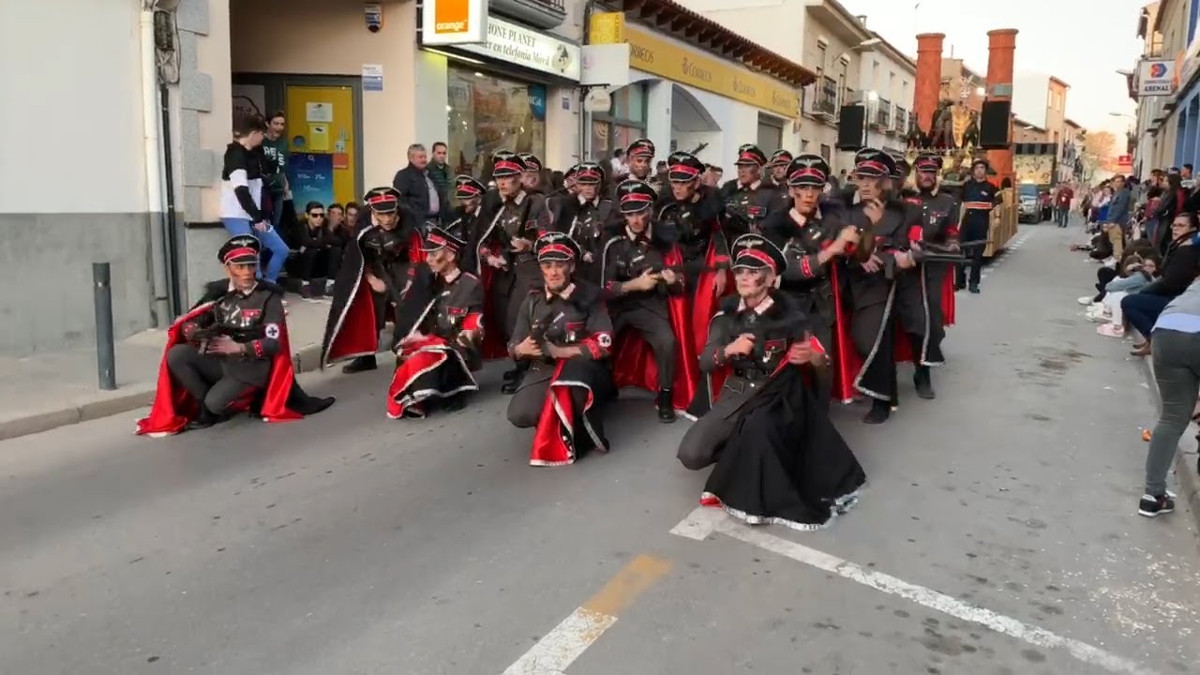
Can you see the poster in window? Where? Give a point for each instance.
(311, 177)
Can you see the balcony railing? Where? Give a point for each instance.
(900, 120)
(883, 113)
(827, 96)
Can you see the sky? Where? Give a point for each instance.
(1082, 42)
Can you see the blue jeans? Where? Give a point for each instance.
(270, 240)
(1142, 310)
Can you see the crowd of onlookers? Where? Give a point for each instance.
(1145, 236)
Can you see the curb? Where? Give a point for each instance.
(130, 397)
(1186, 477)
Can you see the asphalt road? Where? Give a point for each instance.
(998, 534)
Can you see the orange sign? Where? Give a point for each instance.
(451, 17)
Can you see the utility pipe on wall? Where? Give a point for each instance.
(152, 148)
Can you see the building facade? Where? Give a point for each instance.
(887, 77)
(1041, 100)
(1168, 110)
(832, 44)
(707, 94)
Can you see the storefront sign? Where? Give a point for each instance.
(1156, 77)
(607, 28)
(454, 22)
(524, 47)
(372, 77)
(652, 54)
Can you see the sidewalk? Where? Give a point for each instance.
(46, 391)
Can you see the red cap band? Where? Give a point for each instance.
(556, 248)
(505, 164)
(807, 173)
(757, 255)
(381, 199)
(239, 252)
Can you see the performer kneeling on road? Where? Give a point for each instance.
(779, 458)
(644, 289)
(230, 353)
(564, 333)
(436, 357)
(377, 274)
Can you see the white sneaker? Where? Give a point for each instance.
(1086, 300)
(1109, 262)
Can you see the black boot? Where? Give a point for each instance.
(204, 420)
(879, 413)
(923, 381)
(973, 288)
(361, 364)
(512, 378)
(666, 409)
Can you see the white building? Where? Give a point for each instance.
(888, 78)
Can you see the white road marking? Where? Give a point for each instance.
(700, 523)
(559, 648)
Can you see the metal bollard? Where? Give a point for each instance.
(106, 359)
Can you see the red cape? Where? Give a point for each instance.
(557, 420)
(705, 303)
(846, 361)
(174, 407)
(357, 335)
(633, 360)
(948, 289)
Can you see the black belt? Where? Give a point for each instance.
(750, 374)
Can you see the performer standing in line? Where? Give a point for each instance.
(777, 171)
(979, 196)
(564, 333)
(778, 457)
(376, 278)
(691, 216)
(939, 212)
(594, 215)
(507, 263)
(872, 272)
(813, 236)
(229, 353)
(747, 198)
(644, 290)
(640, 155)
(437, 354)
(466, 223)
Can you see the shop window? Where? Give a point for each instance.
(770, 133)
(826, 153)
(624, 123)
(489, 113)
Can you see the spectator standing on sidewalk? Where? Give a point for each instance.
(275, 150)
(1176, 355)
(1062, 204)
(419, 195)
(242, 192)
(1119, 211)
(439, 170)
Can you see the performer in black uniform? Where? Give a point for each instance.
(531, 179)
(376, 278)
(777, 176)
(640, 156)
(872, 274)
(939, 235)
(594, 215)
(779, 458)
(812, 237)
(465, 224)
(436, 356)
(747, 198)
(229, 353)
(979, 196)
(640, 273)
(507, 264)
(565, 334)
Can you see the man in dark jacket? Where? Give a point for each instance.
(419, 195)
(1119, 210)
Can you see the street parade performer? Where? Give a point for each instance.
(564, 333)
(877, 298)
(813, 236)
(691, 215)
(939, 211)
(640, 155)
(592, 215)
(376, 278)
(644, 290)
(229, 354)
(748, 198)
(465, 223)
(979, 197)
(438, 353)
(779, 459)
(504, 251)
(778, 173)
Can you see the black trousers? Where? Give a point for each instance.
(703, 442)
(320, 263)
(971, 276)
(656, 330)
(1103, 276)
(204, 377)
